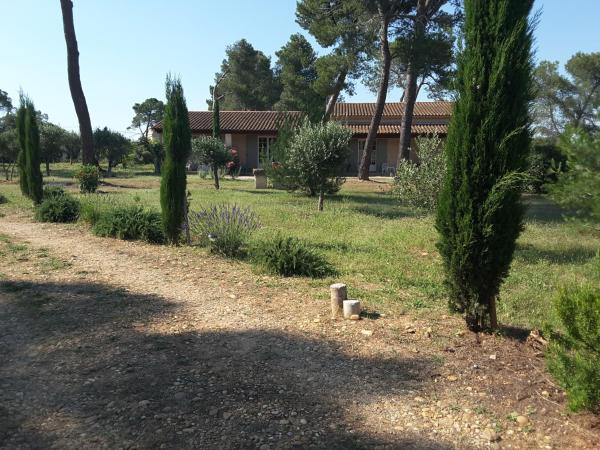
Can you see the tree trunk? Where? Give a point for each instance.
(321, 198)
(363, 171)
(410, 90)
(157, 166)
(337, 89)
(492, 313)
(216, 176)
(109, 171)
(47, 169)
(83, 115)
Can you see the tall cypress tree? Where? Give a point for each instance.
(177, 138)
(29, 156)
(480, 214)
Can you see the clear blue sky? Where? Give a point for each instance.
(127, 47)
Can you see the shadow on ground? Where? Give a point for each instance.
(91, 366)
(571, 255)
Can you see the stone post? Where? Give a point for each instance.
(339, 293)
(351, 308)
(260, 179)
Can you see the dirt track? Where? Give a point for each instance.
(127, 345)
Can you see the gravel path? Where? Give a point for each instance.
(112, 344)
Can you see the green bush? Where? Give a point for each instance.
(130, 223)
(3, 199)
(574, 357)
(419, 184)
(88, 177)
(57, 206)
(289, 256)
(225, 228)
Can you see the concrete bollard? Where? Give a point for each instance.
(351, 308)
(260, 179)
(339, 293)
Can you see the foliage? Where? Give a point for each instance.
(210, 151)
(112, 146)
(250, 83)
(3, 199)
(418, 184)
(570, 100)
(225, 228)
(573, 358)
(340, 25)
(315, 156)
(130, 223)
(297, 74)
(57, 206)
(177, 138)
(545, 162)
(9, 151)
(52, 143)
(148, 151)
(480, 214)
(29, 156)
(88, 178)
(578, 187)
(289, 256)
(147, 114)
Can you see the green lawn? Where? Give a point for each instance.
(385, 253)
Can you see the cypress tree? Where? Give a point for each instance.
(177, 138)
(480, 214)
(29, 155)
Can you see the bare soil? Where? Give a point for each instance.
(112, 344)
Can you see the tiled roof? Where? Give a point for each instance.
(238, 121)
(416, 129)
(422, 109)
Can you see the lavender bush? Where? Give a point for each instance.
(224, 228)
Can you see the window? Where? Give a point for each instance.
(264, 149)
(361, 146)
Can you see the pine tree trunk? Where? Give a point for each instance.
(83, 115)
(337, 89)
(410, 90)
(47, 168)
(492, 313)
(216, 176)
(363, 171)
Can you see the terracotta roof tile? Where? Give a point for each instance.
(422, 109)
(238, 121)
(389, 130)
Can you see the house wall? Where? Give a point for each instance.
(238, 141)
(386, 153)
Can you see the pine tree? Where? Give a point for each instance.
(480, 214)
(29, 156)
(177, 143)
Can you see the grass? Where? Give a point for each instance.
(385, 253)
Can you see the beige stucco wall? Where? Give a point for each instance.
(238, 141)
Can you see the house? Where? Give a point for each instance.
(252, 133)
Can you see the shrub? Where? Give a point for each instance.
(289, 256)
(88, 177)
(131, 223)
(30, 176)
(419, 184)
(225, 228)
(3, 199)
(57, 206)
(574, 357)
(94, 206)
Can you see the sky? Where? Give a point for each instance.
(128, 46)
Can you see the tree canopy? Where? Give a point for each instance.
(248, 81)
(572, 99)
(146, 115)
(297, 72)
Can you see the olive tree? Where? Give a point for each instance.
(212, 152)
(315, 157)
